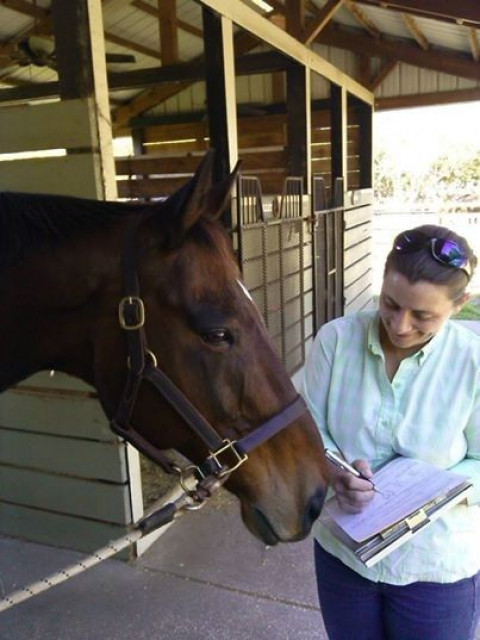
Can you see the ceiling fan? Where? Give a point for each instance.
(39, 51)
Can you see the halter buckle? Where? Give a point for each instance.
(131, 313)
(227, 467)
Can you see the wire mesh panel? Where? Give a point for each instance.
(276, 260)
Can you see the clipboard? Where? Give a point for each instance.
(370, 549)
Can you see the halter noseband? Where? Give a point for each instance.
(224, 455)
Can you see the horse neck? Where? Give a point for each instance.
(52, 304)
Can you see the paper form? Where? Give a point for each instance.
(405, 485)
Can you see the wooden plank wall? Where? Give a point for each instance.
(65, 478)
(64, 475)
(357, 255)
(173, 152)
(64, 127)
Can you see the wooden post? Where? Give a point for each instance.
(365, 112)
(80, 56)
(298, 123)
(221, 96)
(338, 110)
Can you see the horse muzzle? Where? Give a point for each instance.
(272, 526)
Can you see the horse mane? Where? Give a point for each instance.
(31, 222)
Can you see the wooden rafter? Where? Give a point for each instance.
(385, 70)
(443, 61)
(465, 12)
(426, 99)
(474, 44)
(181, 24)
(243, 42)
(24, 7)
(363, 19)
(167, 14)
(416, 32)
(295, 15)
(133, 46)
(322, 18)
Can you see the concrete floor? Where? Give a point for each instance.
(206, 577)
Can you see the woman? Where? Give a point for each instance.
(404, 380)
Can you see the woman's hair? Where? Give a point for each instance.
(421, 265)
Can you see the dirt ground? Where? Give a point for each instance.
(156, 483)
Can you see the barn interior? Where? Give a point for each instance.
(120, 99)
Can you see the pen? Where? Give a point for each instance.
(345, 466)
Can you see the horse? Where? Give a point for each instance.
(145, 302)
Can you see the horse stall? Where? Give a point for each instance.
(65, 478)
(299, 222)
(305, 256)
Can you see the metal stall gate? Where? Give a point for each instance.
(275, 255)
(303, 263)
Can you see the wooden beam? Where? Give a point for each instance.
(416, 32)
(459, 12)
(295, 15)
(255, 63)
(167, 13)
(221, 97)
(442, 61)
(249, 20)
(25, 8)
(243, 42)
(380, 76)
(427, 99)
(338, 132)
(132, 46)
(298, 123)
(321, 19)
(365, 147)
(474, 44)
(364, 21)
(80, 58)
(37, 91)
(73, 49)
(189, 28)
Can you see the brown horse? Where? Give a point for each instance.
(84, 284)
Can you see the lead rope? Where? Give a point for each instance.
(159, 515)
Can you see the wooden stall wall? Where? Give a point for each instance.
(64, 128)
(357, 270)
(173, 151)
(65, 478)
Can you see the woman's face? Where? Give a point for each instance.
(411, 314)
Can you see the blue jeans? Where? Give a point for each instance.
(355, 608)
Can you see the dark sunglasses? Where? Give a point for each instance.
(447, 252)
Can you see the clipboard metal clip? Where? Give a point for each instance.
(417, 520)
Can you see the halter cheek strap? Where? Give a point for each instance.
(224, 455)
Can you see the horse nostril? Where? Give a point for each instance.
(314, 508)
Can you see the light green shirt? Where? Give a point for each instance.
(430, 411)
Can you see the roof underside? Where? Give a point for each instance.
(403, 47)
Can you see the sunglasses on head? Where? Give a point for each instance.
(447, 252)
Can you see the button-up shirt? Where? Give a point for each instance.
(430, 411)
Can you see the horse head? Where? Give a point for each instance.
(206, 334)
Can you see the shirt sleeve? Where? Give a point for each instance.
(316, 381)
(470, 465)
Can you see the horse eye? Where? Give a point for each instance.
(217, 336)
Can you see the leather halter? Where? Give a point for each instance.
(224, 455)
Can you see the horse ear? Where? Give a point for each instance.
(216, 199)
(185, 203)
(196, 199)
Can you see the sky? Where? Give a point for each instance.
(419, 135)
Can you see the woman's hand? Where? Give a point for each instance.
(353, 494)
